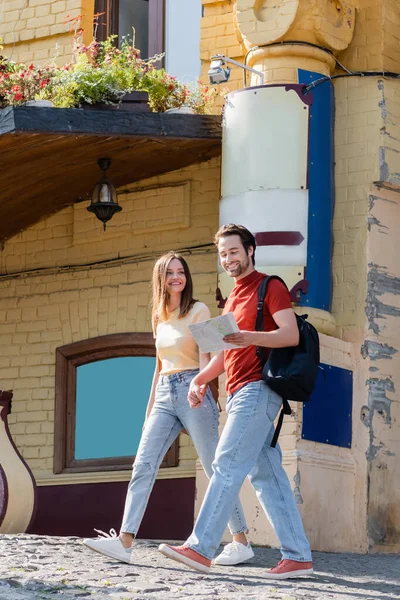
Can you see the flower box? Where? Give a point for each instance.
(137, 101)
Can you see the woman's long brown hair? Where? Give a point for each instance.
(160, 292)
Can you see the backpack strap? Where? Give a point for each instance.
(260, 351)
(286, 410)
(262, 290)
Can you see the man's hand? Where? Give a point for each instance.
(196, 394)
(241, 338)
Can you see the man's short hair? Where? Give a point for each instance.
(247, 238)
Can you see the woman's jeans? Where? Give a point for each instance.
(245, 449)
(171, 412)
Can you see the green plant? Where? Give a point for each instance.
(104, 73)
(20, 82)
(201, 98)
(100, 73)
(164, 90)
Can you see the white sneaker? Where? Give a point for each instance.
(109, 545)
(234, 554)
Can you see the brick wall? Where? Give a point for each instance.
(218, 36)
(376, 41)
(365, 50)
(45, 303)
(365, 151)
(357, 137)
(391, 33)
(37, 30)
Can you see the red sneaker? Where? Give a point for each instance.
(288, 569)
(187, 556)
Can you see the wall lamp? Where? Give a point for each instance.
(104, 203)
(219, 72)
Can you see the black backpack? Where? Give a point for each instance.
(290, 372)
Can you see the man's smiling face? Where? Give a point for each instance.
(235, 260)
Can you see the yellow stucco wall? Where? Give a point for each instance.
(375, 45)
(357, 137)
(49, 296)
(39, 30)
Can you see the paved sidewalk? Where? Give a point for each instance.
(39, 567)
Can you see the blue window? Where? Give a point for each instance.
(102, 389)
(111, 400)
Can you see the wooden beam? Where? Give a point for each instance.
(109, 122)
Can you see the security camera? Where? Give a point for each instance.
(218, 72)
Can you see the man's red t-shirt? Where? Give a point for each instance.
(242, 365)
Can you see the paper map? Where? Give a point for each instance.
(209, 334)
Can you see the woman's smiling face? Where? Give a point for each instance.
(175, 277)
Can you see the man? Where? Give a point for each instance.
(245, 444)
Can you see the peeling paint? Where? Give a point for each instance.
(379, 283)
(387, 115)
(389, 453)
(383, 166)
(374, 221)
(377, 398)
(296, 491)
(373, 451)
(372, 199)
(375, 350)
(378, 403)
(385, 174)
(384, 131)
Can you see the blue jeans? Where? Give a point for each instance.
(171, 412)
(244, 449)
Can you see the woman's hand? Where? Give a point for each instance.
(241, 338)
(196, 393)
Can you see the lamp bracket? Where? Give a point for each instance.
(104, 163)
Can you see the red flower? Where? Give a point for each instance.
(15, 88)
(18, 97)
(31, 67)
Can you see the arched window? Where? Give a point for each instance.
(102, 390)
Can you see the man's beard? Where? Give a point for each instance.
(240, 269)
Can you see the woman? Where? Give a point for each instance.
(168, 411)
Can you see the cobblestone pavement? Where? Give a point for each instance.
(39, 567)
